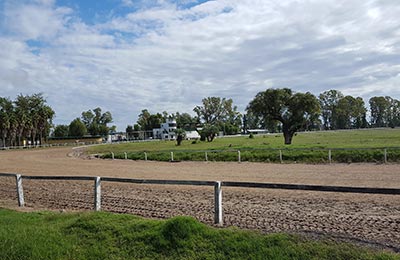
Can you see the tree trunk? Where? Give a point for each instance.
(33, 141)
(179, 139)
(287, 134)
(288, 137)
(41, 140)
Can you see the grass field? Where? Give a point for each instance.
(45, 235)
(306, 147)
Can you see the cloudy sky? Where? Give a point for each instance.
(164, 55)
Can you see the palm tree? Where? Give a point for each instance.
(26, 117)
(6, 110)
(23, 119)
(45, 122)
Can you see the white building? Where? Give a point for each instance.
(257, 131)
(192, 135)
(116, 137)
(166, 131)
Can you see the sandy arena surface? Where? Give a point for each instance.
(364, 218)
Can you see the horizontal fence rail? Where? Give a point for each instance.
(218, 209)
(162, 182)
(387, 191)
(7, 174)
(64, 178)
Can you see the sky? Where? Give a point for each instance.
(162, 55)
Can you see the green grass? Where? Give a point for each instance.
(306, 147)
(45, 235)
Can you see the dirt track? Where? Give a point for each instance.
(374, 219)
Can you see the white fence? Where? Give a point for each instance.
(218, 209)
(383, 155)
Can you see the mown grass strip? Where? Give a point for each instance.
(372, 155)
(308, 147)
(45, 235)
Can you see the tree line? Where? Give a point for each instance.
(28, 118)
(93, 123)
(278, 110)
(214, 115)
(289, 112)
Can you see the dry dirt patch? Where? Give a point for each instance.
(371, 218)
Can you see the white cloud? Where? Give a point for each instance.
(81, 35)
(165, 57)
(35, 20)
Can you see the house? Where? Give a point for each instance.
(166, 131)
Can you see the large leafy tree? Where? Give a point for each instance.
(186, 121)
(385, 111)
(61, 131)
(147, 121)
(380, 111)
(351, 113)
(96, 121)
(208, 132)
(77, 128)
(342, 112)
(219, 112)
(329, 101)
(394, 113)
(292, 110)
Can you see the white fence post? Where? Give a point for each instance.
(330, 156)
(206, 157)
(172, 156)
(112, 155)
(280, 156)
(145, 156)
(20, 190)
(385, 155)
(126, 155)
(97, 193)
(218, 203)
(239, 159)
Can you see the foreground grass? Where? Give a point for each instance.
(264, 148)
(44, 235)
